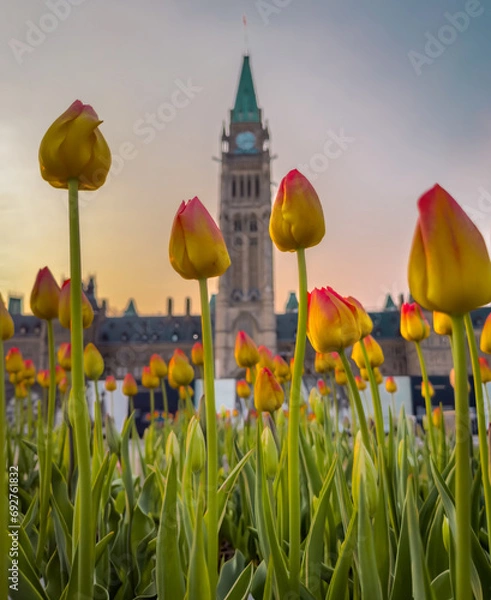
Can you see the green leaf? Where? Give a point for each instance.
(369, 579)
(382, 540)
(240, 590)
(311, 470)
(442, 586)
(402, 588)
(229, 573)
(198, 582)
(170, 580)
(228, 485)
(339, 580)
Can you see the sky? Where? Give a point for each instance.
(405, 85)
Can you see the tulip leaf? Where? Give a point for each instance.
(170, 580)
(382, 539)
(367, 561)
(339, 580)
(198, 585)
(229, 573)
(228, 485)
(240, 590)
(311, 470)
(442, 586)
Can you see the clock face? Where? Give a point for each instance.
(246, 141)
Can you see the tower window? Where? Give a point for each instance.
(241, 186)
(249, 186)
(257, 186)
(253, 225)
(234, 187)
(237, 224)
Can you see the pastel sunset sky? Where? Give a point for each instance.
(407, 85)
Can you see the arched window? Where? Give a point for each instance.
(237, 224)
(234, 187)
(253, 224)
(257, 186)
(249, 186)
(241, 186)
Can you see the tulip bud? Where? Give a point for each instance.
(250, 374)
(484, 368)
(331, 323)
(197, 249)
(149, 381)
(14, 363)
(265, 358)
(281, 367)
(158, 367)
(74, 148)
(246, 352)
(270, 453)
(113, 436)
(180, 371)
(65, 356)
(437, 417)
(197, 354)
(374, 352)
(378, 376)
(268, 393)
(414, 326)
(63, 385)
(340, 376)
(427, 390)
(29, 369)
(43, 378)
(449, 268)
(65, 311)
(324, 362)
(20, 391)
(172, 448)
(442, 323)
(45, 296)
(6, 322)
(485, 342)
(446, 533)
(297, 219)
(110, 384)
(314, 397)
(324, 389)
(243, 389)
(93, 362)
(59, 374)
(195, 446)
(185, 392)
(364, 470)
(360, 383)
(364, 321)
(16, 378)
(390, 385)
(129, 388)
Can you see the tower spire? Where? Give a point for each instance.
(245, 108)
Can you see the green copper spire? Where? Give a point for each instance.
(246, 109)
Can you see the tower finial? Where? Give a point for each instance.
(246, 44)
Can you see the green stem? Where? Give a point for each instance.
(30, 416)
(377, 404)
(3, 479)
(462, 463)
(98, 440)
(355, 393)
(46, 480)
(79, 412)
(294, 425)
(211, 437)
(165, 399)
(488, 402)
(427, 398)
(335, 402)
(481, 422)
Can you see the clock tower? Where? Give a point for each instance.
(245, 299)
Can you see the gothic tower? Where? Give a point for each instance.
(245, 299)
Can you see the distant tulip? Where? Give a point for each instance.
(65, 356)
(427, 391)
(442, 323)
(129, 387)
(374, 352)
(265, 358)
(158, 366)
(485, 370)
(414, 326)
(197, 249)
(43, 378)
(29, 369)
(324, 389)
(485, 343)
(59, 374)
(17, 377)
(378, 375)
(437, 417)
(180, 371)
(65, 309)
(73, 147)
(250, 375)
(149, 381)
(292, 364)
(243, 389)
(281, 367)
(340, 376)
(268, 393)
(93, 362)
(297, 218)
(195, 446)
(20, 391)
(6, 322)
(63, 385)
(185, 392)
(246, 352)
(360, 383)
(364, 320)
(324, 362)
(197, 354)
(270, 453)
(110, 383)
(390, 385)
(332, 323)
(14, 362)
(45, 296)
(338, 363)
(449, 268)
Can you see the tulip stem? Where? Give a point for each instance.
(3, 479)
(427, 398)
(481, 421)
(165, 399)
(357, 400)
(294, 426)
(211, 437)
(46, 472)
(462, 463)
(79, 412)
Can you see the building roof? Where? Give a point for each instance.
(292, 303)
(130, 310)
(136, 329)
(245, 108)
